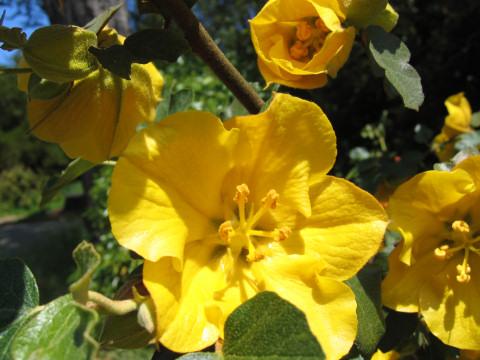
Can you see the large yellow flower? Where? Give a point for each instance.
(435, 270)
(97, 117)
(299, 42)
(456, 122)
(221, 212)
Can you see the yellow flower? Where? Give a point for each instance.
(435, 270)
(99, 114)
(221, 212)
(299, 42)
(457, 122)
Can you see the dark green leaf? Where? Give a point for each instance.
(12, 38)
(360, 13)
(371, 326)
(156, 44)
(99, 22)
(59, 331)
(76, 168)
(3, 17)
(116, 59)
(392, 55)
(87, 260)
(18, 291)
(268, 326)
(180, 101)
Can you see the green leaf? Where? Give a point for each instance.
(391, 54)
(142, 47)
(87, 260)
(266, 327)
(236, 108)
(18, 291)
(42, 89)
(7, 336)
(423, 134)
(475, 119)
(180, 101)
(371, 325)
(361, 12)
(73, 170)
(12, 38)
(99, 22)
(467, 140)
(60, 331)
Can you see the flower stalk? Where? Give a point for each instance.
(204, 47)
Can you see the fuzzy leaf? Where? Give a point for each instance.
(12, 38)
(99, 22)
(59, 331)
(371, 325)
(391, 54)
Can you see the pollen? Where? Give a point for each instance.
(242, 235)
(309, 38)
(460, 241)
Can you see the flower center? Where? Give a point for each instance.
(309, 38)
(460, 239)
(240, 234)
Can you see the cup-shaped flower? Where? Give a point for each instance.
(435, 270)
(299, 42)
(99, 114)
(456, 122)
(222, 211)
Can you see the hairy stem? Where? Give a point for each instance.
(204, 47)
(107, 306)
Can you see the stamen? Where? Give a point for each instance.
(460, 226)
(297, 51)
(304, 31)
(282, 233)
(241, 198)
(224, 231)
(443, 252)
(270, 201)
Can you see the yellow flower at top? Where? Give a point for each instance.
(435, 270)
(223, 211)
(96, 118)
(300, 42)
(456, 122)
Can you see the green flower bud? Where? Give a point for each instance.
(60, 53)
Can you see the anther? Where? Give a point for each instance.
(460, 226)
(282, 234)
(298, 51)
(241, 194)
(304, 31)
(270, 201)
(224, 231)
(442, 253)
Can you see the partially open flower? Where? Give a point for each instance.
(300, 42)
(96, 118)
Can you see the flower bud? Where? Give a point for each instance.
(360, 13)
(60, 53)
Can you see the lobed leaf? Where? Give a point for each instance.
(12, 38)
(391, 54)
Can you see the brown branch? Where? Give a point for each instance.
(204, 47)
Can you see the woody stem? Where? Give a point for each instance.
(204, 47)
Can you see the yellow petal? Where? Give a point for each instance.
(460, 113)
(328, 304)
(285, 141)
(180, 298)
(450, 308)
(401, 288)
(166, 186)
(419, 207)
(346, 227)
